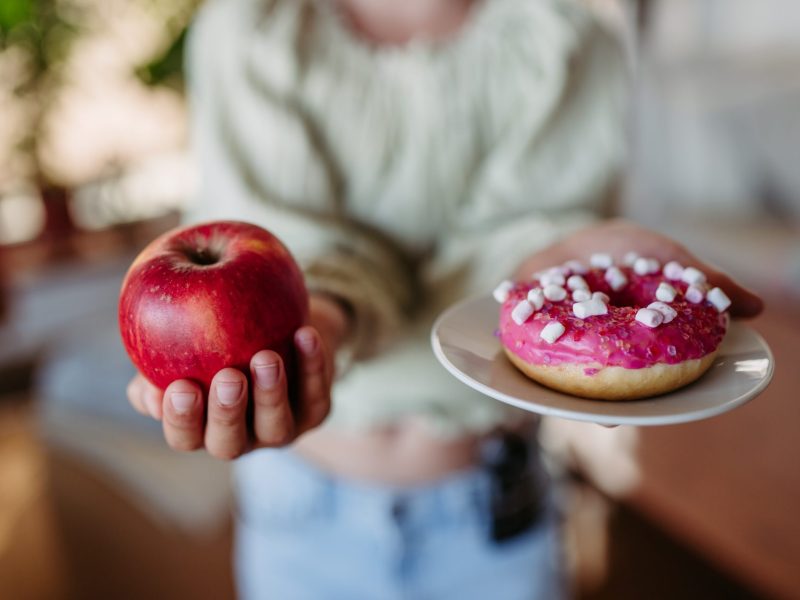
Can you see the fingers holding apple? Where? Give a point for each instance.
(203, 305)
(226, 433)
(203, 298)
(220, 422)
(183, 415)
(145, 398)
(135, 396)
(315, 379)
(277, 419)
(273, 421)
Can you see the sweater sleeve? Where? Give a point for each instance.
(275, 172)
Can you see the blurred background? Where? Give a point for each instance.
(94, 164)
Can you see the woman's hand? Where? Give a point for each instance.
(219, 423)
(618, 237)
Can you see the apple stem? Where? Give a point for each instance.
(202, 256)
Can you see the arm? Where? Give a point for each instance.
(544, 183)
(557, 151)
(261, 161)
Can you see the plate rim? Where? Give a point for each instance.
(601, 419)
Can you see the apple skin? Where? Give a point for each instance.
(201, 298)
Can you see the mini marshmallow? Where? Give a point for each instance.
(555, 293)
(500, 293)
(693, 276)
(601, 297)
(640, 266)
(580, 295)
(673, 270)
(589, 308)
(552, 331)
(615, 278)
(522, 312)
(655, 265)
(665, 292)
(552, 278)
(719, 299)
(536, 298)
(695, 294)
(576, 266)
(576, 282)
(649, 317)
(666, 310)
(601, 260)
(646, 266)
(629, 259)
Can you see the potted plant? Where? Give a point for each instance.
(40, 34)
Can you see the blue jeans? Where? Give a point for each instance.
(304, 535)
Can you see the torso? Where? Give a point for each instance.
(435, 112)
(405, 453)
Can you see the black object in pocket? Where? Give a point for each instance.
(518, 485)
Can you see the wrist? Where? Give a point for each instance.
(332, 317)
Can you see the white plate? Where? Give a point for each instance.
(464, 342)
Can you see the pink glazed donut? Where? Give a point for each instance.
(613, 332)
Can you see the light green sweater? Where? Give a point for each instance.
(404, 179)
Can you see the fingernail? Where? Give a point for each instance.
(228, 392)
(307, 341)
(182, 402)
(266, 375)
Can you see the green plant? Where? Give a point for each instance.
(42, 29)
(41, 33)
(167, 67)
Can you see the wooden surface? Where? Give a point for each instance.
(115, 551)
(31, 565)
(730, 486)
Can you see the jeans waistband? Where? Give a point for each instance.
(280, 484)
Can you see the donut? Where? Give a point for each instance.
(610, 331)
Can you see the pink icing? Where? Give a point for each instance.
(615, 339)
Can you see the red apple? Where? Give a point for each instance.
(201, 298)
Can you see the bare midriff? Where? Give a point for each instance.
(405, 453)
